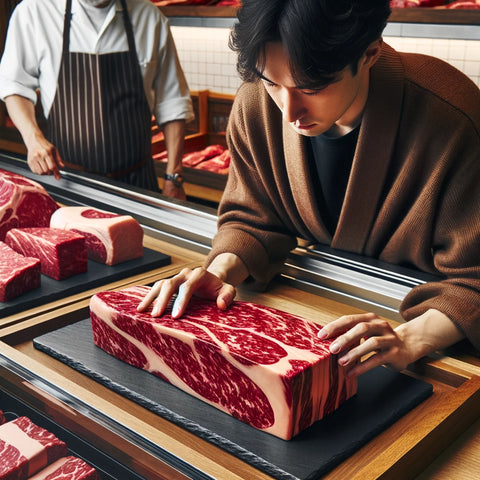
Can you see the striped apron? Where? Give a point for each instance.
(100, 120)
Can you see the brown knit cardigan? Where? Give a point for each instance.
(413, 196)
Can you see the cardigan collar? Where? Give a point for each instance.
(370, 164)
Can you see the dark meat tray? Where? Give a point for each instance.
(97, 274)
(108, 468)
(383, 397)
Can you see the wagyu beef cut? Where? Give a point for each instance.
(110, 238)
(18, 274)
(62, 253)
(23, 203)
(68, 468)
(26, 448)
(263, 366)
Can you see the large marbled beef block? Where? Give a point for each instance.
(23, 203)
(18, 274)
(110, 238)
(26, 448)
(263, 366)
(68, 468)
(62, 253)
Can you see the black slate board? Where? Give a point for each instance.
(383, 397)
(97, 274)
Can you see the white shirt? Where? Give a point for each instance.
(33, 51)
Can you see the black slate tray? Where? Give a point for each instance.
(97, 274)
(383, 397)
(107, 467)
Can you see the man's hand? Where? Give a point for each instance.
(188, 282)
(42, 157)
(171, 190)
(365, 341)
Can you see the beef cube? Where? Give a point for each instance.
(62, 253)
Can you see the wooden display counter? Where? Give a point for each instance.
(403, 450)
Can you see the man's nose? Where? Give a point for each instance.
(292, 107)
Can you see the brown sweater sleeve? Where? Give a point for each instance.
(250, 223)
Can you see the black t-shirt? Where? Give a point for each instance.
(333, 157)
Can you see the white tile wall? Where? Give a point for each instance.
(462, 54)
(208, 63)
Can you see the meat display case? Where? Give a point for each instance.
(128, 440)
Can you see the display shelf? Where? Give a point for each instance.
(145, 439)
(417, 15)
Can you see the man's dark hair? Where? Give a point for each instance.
(321, 37)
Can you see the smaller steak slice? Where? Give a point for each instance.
(261, 365)
(2, 418)
(62, 253)
(110, 238)
(68, 468)
(26, 448)
(18, 274)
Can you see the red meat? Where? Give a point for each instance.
(194, 158)
(68, 468)
(18, 274)
(23, 203)
(263, 366)
(218, 164)
(110, 238)
(62, 253)
(26, 448)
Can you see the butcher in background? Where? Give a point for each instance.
(338, 139)
(103, 67)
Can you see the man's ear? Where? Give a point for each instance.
(372, 53)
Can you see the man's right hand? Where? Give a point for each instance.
(42, 157)
(188, 282)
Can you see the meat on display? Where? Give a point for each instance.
(26, 448)
(62, 253)
(194, 158)
(68, 468)
(110, 238)
(18, 274)
(23, 203)
(263, 366)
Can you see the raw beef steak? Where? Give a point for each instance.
(23, 203)
(62, 253)
(110, 238)
(18, 274)
(2, 418)
(26, 448)
(263, 366)
(67, 468)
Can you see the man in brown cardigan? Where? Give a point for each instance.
(338, 139)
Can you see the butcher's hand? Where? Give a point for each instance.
(42, 157)
(365, 341)
(172, 191)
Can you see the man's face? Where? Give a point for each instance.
(313, 112)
